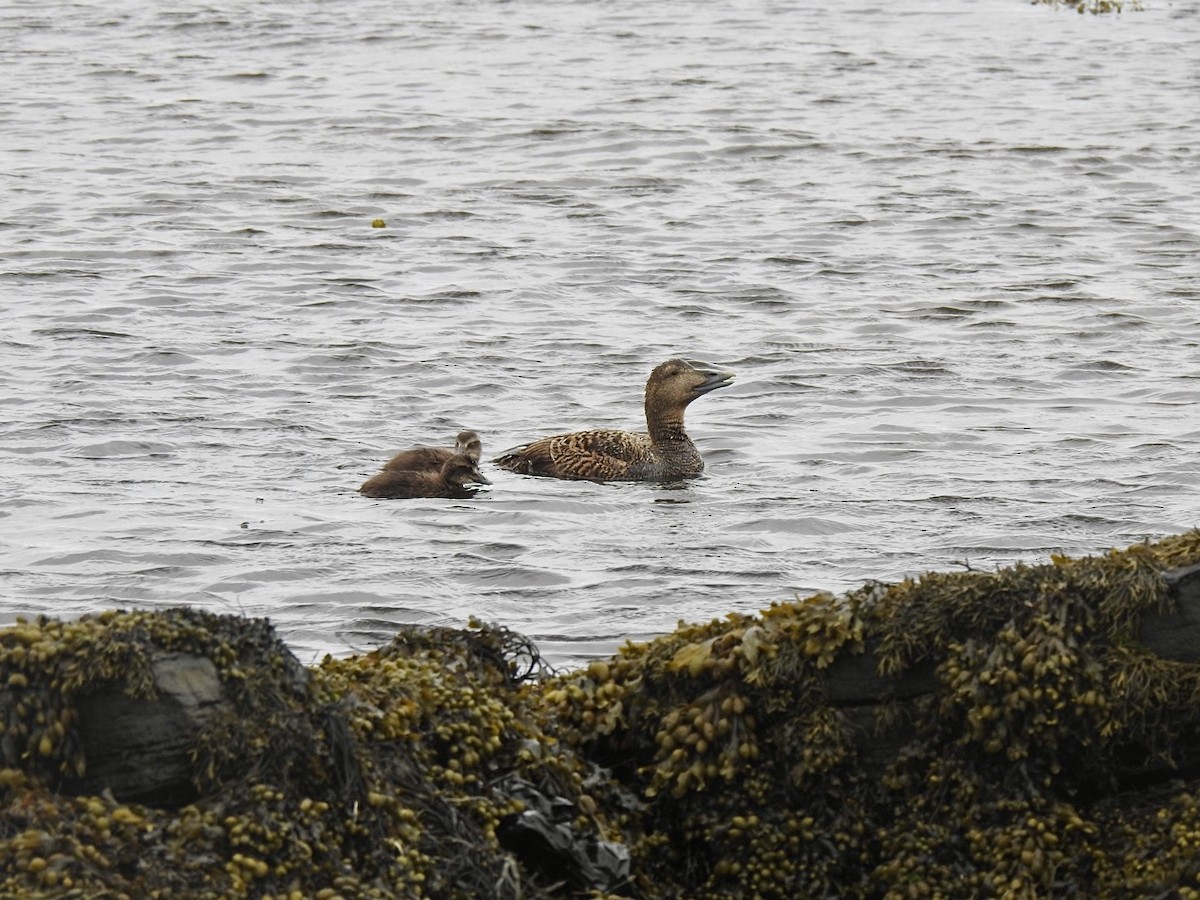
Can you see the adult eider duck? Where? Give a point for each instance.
(663, 453)
(450, 480)
(467, 443)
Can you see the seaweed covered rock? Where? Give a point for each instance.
(117, 701)
(449, 720)
(1028, 732)
(387, 775)
(964, 734)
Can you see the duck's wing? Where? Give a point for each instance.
(597, 455)
(431, 458)
(389, 484)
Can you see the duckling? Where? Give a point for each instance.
(664, 453)
(467, 443)
(450, 480)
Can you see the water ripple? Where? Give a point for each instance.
(949, 257)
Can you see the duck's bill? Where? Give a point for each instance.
(713, 379)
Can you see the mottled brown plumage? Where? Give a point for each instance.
(663, 453)
(450, 480)
(467, 443)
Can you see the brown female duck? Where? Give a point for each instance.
(467, 443)
(663, 453)
(450, 480)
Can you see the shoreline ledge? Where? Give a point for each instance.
(1025, 732)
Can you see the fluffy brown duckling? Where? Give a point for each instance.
(467, 443)
(450, 480)
(663, 453)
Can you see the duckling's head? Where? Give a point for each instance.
(460, 470)
(469, 445)
(676, 383)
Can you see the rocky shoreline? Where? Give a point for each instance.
(1028, 732)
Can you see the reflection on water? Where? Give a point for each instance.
(949, 253)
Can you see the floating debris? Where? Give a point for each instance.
(1096, 7)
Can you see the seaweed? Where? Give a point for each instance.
(1003, 733)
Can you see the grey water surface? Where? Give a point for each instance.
(951, 250)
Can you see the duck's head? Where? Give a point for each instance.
(460, 470)
(677, 382)
(468, 444)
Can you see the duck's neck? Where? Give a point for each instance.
(666, 428)
(677, 456)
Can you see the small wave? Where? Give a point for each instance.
(122, 449)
